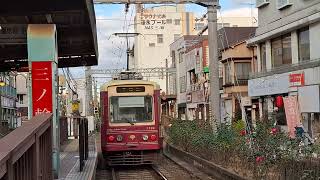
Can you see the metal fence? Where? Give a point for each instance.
(26, 152)
(63, 129)
(83, 141)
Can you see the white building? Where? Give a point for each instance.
(158, 27)
(178, 80)
(288, 58)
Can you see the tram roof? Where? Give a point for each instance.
(128, 82)
(76, 29)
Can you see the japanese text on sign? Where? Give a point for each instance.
(41, 87)
(153, 21)
(297, 79)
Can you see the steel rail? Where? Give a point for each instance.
(157, 170)
(113, 173)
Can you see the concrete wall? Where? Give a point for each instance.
(271, 18)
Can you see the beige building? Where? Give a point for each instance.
(159, 27)
(238, 61)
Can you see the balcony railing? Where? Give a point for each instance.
(287, 68)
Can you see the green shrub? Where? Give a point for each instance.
(265, 146)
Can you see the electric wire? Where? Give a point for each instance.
(67, 81)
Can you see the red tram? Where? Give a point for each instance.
(130, 113)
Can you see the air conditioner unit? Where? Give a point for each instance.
(261, 3)
(283, 4)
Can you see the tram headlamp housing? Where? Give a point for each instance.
(145, 137)
(119, 138)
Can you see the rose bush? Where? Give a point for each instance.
(256, 150)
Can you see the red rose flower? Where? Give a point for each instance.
(243, 132)
(274, 131)
(259, 159)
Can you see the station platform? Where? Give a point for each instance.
(70, 161)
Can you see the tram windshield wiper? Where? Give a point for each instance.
(130, 122)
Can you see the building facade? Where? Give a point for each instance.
(238, 60)
(159, 27)
(22, 95)
(178, 80)
(287, 41)
(8, 97)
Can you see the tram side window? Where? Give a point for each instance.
(132, 109)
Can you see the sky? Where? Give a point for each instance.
(111, 19)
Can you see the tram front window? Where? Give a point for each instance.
(134, 109)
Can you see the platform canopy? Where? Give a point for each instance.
(76, 27)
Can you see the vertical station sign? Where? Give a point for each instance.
(42, 87)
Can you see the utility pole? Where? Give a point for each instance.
(95, 91)
(167, 78)
(213, 62)
(89, 98)
(127, 35)
(214, 65)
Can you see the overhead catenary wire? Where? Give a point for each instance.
(68, 81)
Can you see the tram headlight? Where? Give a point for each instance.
(119, 138)
(145, 137)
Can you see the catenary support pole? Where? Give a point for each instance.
(213, 65)
(167, 78)
(89, 98)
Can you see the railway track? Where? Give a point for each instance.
(137, 173)
(165, 170)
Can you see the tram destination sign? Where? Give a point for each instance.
(130, 89)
